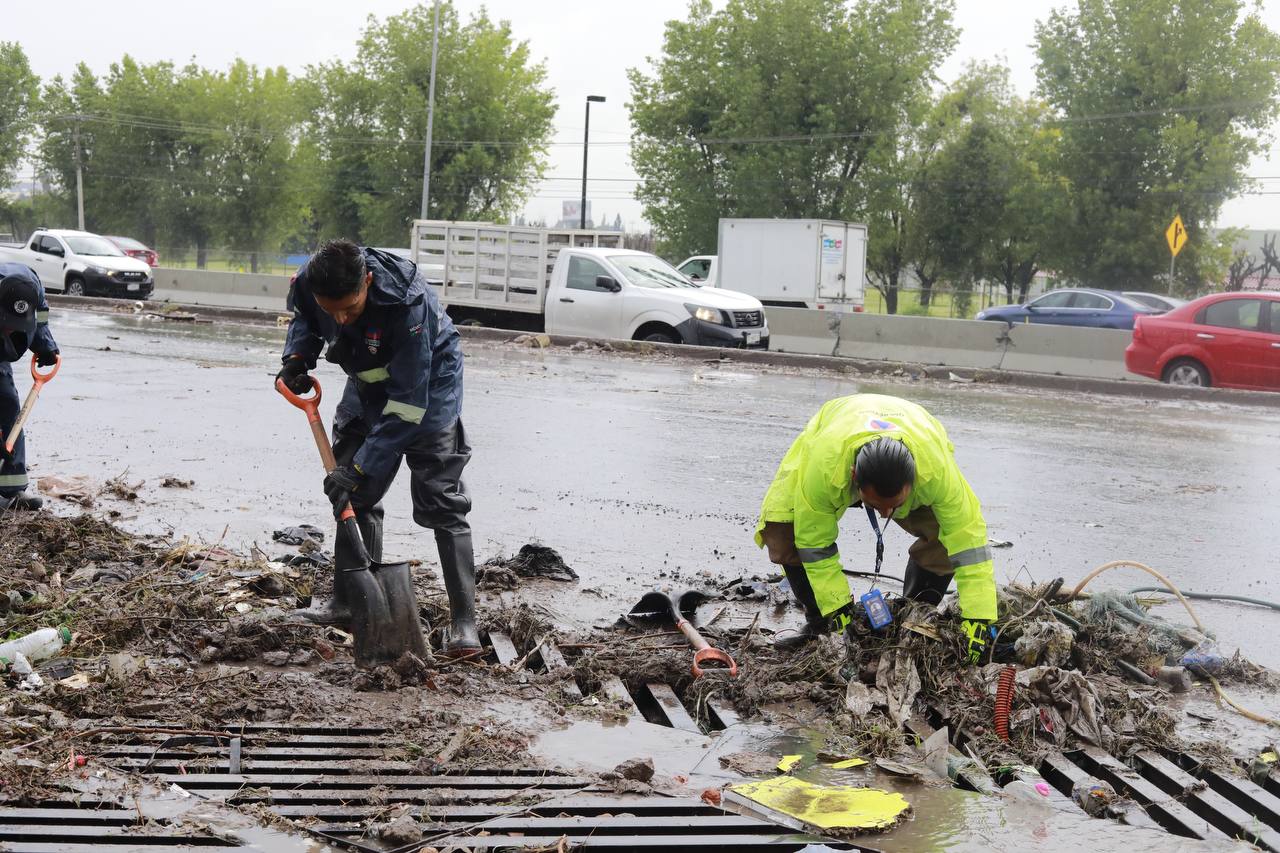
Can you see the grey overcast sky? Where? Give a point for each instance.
(587, 45)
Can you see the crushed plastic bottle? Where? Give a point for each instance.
(1204, 659)
(36, 646)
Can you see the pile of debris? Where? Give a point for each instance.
(1097, 671)
(195, 636)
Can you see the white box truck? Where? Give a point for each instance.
(579, 283)
(789, 263)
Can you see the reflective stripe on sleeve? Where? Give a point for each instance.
(374, 374)
(42, 317)
(405, 412)
(813, 555)
(972, 557)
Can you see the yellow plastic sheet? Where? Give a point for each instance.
(788, 761)
(830, 807)
(848, 763)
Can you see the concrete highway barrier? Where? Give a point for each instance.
(1095, 353)
(222, 289)
(1092, 353)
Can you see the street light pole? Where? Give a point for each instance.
(79, 176)
(431, 110)
(586, 138)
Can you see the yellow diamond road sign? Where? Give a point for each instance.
(1176, 235)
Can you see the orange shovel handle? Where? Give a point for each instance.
(311, 406)
(37, 379)
(703, 652)
(41, 378)
(710, 654)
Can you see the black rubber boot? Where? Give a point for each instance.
(920, 584)
(814, 623)
(336, 610)
(458, 566)
(22, 501)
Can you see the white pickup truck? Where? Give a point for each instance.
(81, 264)
(577, 283)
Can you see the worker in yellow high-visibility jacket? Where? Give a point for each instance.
(893, 457)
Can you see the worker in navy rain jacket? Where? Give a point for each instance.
(385, 328)
(24, 325)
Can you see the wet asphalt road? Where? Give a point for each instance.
(635, 467)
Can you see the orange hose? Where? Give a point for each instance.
(1004, 700)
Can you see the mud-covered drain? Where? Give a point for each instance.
(335, 783)
(1172, 792)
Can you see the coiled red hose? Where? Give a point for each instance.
(1004, 700)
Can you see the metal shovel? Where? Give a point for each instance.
(384, 610)
(658, 608)
(38, 379)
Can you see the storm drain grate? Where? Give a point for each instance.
(336, 783)
(1176, 792)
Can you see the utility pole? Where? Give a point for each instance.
(79, 173)
(431, 110)
(586, 138)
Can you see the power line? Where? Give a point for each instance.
(148, 122)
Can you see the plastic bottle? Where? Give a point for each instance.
(38, 645)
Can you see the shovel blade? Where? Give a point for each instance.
(654, 609)
(369, 618)
(403, 629)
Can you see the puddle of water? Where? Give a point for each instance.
(599, 745)
(943, 817)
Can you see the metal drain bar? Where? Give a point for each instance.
(1176, 792)
(338, 783)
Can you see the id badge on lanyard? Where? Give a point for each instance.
(873, 602)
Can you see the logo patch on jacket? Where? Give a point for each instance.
(373, 340)
(881, 426)
(415, 330)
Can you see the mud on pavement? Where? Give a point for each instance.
(178, 645)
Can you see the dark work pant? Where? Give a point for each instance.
(13, 472)
(435, 460)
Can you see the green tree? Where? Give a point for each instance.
(19, 92)
(1162, 104)
(774, 108)
(259, 198)
(493, 120)
(990, 202)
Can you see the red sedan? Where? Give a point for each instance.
(1230, 340)
(134, 249)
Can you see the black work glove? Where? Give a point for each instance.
(47, 359)
(294, 374)
(5, 455)
(340, 484)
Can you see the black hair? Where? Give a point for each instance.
(886, 465)
(336, 270)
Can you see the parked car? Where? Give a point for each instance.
(1072, 306)
(1231, 340)
(134, 249)
(1158, 301)
(81, 264)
